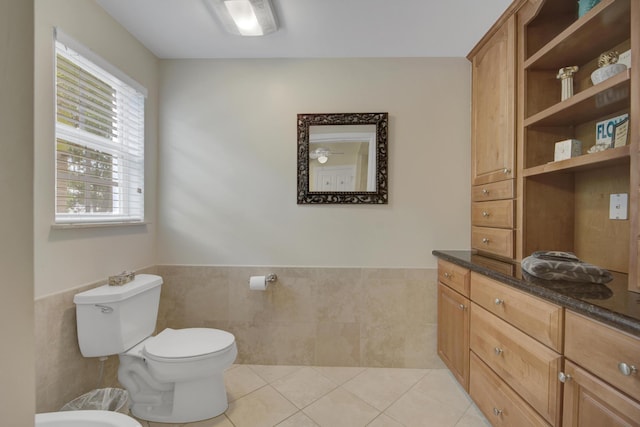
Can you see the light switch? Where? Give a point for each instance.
(618, 206)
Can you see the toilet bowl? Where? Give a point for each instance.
(180, 367)
(175, 376)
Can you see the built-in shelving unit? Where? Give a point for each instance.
(565, 204)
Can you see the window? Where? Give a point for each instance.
(99, 139)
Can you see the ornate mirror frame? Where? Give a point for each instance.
(380, 195)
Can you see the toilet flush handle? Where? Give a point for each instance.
(105, 308)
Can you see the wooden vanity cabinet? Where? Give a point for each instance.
(453, 320)
(601, 382)
(493, 142)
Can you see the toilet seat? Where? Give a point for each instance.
(175, 345)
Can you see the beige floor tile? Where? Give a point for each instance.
(439, 385)
(339, 375)
(341, 409)
(298, 420)
(473, 418)
(241, 381)
(383, 420)
(304, 386)
(417, 410)
(270, 373)
(264, 407)
(380, 387)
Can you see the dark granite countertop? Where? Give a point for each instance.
(612, 303)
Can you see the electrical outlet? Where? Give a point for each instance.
(618, 206)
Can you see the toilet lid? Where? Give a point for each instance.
(185, 343)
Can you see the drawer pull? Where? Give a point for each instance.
(564, 377)
(498, 301)
(485, 214)
(497, 351)
(485, 191)
(497, 412)
(506, 171)
(448, 275)
(627, 370)
(462, 307)
(485, 240)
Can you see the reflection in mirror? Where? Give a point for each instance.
(342, 158)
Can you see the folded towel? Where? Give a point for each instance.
(557, 265)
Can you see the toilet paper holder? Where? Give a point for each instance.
(270, 278)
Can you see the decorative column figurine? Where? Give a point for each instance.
(566, 77)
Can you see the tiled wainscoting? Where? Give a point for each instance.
(309, 316)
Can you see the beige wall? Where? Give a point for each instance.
(228, 162)
(17, 393)
(311, 316)
(65, 259)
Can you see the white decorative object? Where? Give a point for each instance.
(606, 72)
(607, 67)
(567, 149)
(566, 77)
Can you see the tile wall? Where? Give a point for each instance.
(310, 316)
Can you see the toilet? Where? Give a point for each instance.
(175, 376)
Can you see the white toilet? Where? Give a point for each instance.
(173, 377)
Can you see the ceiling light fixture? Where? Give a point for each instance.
(245, 17)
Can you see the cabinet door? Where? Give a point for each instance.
(590, 402)
(453, 333)
(493, 105)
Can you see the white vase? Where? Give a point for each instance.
(606, 72)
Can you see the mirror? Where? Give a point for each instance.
(342, 158)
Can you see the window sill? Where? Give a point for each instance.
(75, 226)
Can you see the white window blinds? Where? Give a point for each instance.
(99, 139)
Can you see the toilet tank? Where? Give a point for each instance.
(112, 319)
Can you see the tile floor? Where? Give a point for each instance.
(305, 396)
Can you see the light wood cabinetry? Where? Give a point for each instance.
(453, 333)
(528, 367)
(565, 204)
(538, 318)
(601, 382)
(590, 402)
(604, 351)
(453, 319)
(493, 141)
(501, 405)
(493, 104)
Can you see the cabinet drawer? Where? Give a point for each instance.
(527, 366)
(494, 191)
(498, 213)
(536, 317)
(501, 405)
(495, 240)
(454, 276)
(601, 349)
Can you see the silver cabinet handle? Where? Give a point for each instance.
(462, 307)
(498, 301)
(497, 412)
(498, 351)
(506, 171)
(485, 214)
(485, 240)
(448, 275)
(627, 370)
(564, 377)
(485, 191)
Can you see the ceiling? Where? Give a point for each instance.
(314, 28)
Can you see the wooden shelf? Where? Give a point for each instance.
(605, 98)
(603, 27)
(601, 159)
